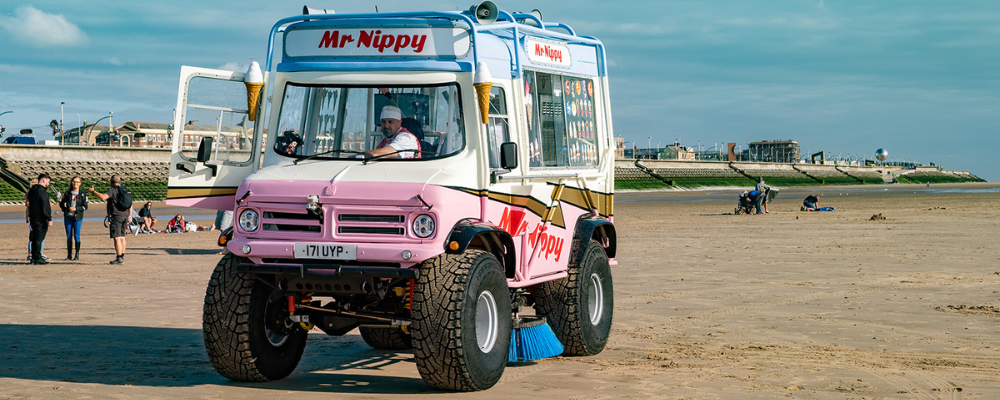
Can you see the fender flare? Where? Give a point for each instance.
(600, 229)
(487, 236)
(225, 236)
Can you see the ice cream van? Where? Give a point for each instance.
(441, 181)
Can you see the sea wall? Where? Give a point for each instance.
(145, 171)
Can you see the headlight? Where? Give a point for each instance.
(423, 226)
(248, 220)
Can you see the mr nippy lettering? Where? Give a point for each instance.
(552, 54)
(373, 39)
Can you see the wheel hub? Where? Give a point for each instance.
(595, 299)
(486, 321)
(277, 325)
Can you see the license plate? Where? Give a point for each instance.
(326, 251)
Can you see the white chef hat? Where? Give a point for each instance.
(392, 112)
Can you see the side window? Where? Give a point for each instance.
(561, 124)
(534, 131)
(217, 109)
(498, 128)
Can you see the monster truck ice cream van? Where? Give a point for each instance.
(432, 178)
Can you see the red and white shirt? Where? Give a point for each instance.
(403, 140)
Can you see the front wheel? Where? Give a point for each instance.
(248, 334)
(579, 307)
(461, 323)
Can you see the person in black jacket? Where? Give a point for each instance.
(73, 204)
(39, 216)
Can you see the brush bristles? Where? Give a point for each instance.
(534, 342)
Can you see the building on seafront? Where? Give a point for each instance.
(156, 135)
(779, 151)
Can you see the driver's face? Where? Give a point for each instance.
(390, 126)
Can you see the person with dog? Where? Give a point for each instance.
(117, 197)
(73, 204)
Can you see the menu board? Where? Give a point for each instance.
(580, 126)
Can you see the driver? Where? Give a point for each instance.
(397, 139)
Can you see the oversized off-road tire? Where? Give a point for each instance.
(247, 333)
(579, 307)
(385, 338)
(461, 321)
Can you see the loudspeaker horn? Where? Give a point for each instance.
(485, 12)
(306, 10)
(530, 22)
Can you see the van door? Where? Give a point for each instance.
(215, 145)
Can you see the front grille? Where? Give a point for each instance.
(370, 218)
(287, 227)
(360, 223)
(370, 230)
(282, 218)
(288, 215)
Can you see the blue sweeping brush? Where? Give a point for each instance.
(532, 339)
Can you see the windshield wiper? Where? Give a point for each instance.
(396, 152)
(325, 153)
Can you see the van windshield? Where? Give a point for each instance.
(345, 121)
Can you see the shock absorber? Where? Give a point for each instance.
(303, 320)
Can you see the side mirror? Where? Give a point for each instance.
(205, 149)
(508, 155)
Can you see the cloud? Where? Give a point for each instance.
(36, 28)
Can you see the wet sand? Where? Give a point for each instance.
(709, 305)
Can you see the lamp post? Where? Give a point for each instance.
(79, 129)
(1, 128)
(110, 127)
(62, 113)
(649, 144)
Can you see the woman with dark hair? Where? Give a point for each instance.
(148, 220)
(73, 204)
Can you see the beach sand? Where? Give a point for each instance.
(708, 305)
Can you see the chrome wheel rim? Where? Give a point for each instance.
(595, 299)
(486, 322)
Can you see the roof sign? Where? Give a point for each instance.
(427, 42)
(547, 52)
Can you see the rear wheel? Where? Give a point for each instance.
(461, 321)
(579, 307)
(247, 332)
(386, 338)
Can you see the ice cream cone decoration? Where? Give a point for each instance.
(254, 81)
(483, 86)
(483, 94)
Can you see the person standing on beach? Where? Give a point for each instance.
(119, 218)
(765, 189)
(73, 204)
(39, 216)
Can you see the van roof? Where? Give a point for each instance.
(514, 42)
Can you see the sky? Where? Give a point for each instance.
(919, 78)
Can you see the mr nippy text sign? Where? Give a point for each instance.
(547, 52)
(428, 42)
